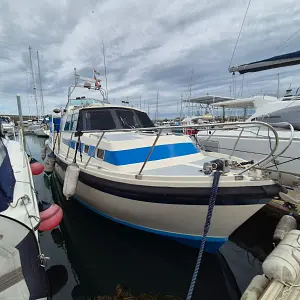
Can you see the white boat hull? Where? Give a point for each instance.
(177, 221)
(40, 132)
(21, 273)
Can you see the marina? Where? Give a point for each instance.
(150, 151)
(52, 190)
(165, 187)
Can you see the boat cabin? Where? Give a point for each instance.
(105, 118)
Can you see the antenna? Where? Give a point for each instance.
(140, 102)
(105, 70)
(40, 80)
(34, 85)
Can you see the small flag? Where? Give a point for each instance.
(97, 84)
(96, 72)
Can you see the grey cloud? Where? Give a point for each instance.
(147, 46)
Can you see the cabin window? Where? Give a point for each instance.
(127, 118)
(74, 122)
(97, 119)
(144, 119)
(86, 148)
(100, 153)
(68, 123)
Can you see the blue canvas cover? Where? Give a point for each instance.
(7, 178)
(279, 61)
(56, 123)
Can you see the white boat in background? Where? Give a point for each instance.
(8, 126)
(22, 272)
(286, 166)
(149, 178)
(46, 132)
(41, 131)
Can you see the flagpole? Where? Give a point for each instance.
(105, 70)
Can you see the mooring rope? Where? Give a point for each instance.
(211, 205)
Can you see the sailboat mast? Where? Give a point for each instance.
(156, 113)
(181, 101)
(34, 85)
(40, 80)
(278, 84)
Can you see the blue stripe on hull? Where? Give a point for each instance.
(138, 155)
(212, 243)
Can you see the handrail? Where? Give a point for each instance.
(138, 176)
(69, 145)
(208, 138)
(236, 142)
(251, 124)
(288, 144)
(160, 129)
(94, 149)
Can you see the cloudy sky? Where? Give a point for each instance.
(150, 45)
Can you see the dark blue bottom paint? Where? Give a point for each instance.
(212, 243)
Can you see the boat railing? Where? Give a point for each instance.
(208, 126)
(273, 157)
(280, 125)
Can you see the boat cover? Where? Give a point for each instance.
(21, 275)
(284, 60)
(7, 178)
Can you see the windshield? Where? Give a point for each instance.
(127, 118)
(83, 101)
(97, 119)
(144, 119)
(113, 118)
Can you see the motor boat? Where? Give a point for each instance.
(41, 128)
(22, 272)
(149, 178)
(41, 131)
(8, 126)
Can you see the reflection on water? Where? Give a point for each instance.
(98, 253)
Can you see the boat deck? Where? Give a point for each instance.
(193, 168)
(23, 186)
